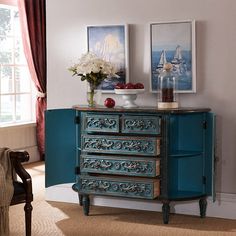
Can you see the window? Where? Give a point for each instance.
(17, 92)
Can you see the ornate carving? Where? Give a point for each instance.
(137, 167)
(132, 188)
(100, 144)
(97, 164)
(101, 123)
(139, 124)
(95, 185)
(106, 144)
(116, 187)
(134, 145)
(122, 166)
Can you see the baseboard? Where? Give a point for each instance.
(223, 207)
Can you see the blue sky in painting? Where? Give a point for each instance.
(98, 33)
(168, 35)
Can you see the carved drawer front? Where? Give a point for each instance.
(100, 123)
(141, 124)
(121, 145)
(133, 166)
(135, 188)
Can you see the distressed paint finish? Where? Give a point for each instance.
(141, 124)
(100, 123)
(146, 167)
(124, 145)
(118, 187)
(179, 140)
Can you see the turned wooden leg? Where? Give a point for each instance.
(202, 206)
(28, 214)
(86, 204)
(80, 199)
(166, 211)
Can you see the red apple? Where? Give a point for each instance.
(119, 86)
(129, 86)
(109, 102)
(139, 86)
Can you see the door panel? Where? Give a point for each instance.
(210, 155)
(60, 146)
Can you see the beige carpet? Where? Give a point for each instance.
(54, 218)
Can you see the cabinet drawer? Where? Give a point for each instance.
(135, 188)
(141, 124)
(133, 166)
(100, 123)
(121, 145)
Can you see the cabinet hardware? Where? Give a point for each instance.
(204, 179)
(77, 120)
(77, 170)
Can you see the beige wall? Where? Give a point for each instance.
(216, 53)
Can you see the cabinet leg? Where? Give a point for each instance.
(166, 212)
(86, 204)
(80, 199)
(203, 206)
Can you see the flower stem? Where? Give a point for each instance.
(91, 98)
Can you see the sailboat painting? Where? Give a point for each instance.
(174, 42)
(110, 42)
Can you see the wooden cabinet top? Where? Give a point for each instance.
(141, 109)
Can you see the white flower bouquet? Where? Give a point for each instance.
(93, 69)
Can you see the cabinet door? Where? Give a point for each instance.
(186, 158)
(210, 155)
(60, 148)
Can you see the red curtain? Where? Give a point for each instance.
(33, 24)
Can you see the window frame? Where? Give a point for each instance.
(32, 90)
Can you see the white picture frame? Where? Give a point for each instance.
(174, 42)
(111, 43)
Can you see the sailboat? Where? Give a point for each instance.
(178, 56)
(178, 62)
(162, 60)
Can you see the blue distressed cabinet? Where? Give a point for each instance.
(161, 155)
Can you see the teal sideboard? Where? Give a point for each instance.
(162, 155)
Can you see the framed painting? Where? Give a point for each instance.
(174, 42)
(110, 42)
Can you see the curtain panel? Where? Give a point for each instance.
(33, 25)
